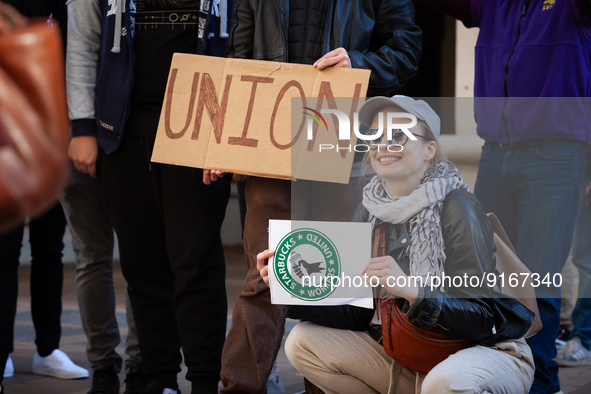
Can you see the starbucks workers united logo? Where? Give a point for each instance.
(305, 261)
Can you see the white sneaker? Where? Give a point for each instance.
(573, 354)
(58, 365)
(9, 369)
(274, 385)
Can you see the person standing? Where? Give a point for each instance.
(577, 350)
(532, 79)
(381, 37)
(166, 220)
(93, 242)
(47, 276)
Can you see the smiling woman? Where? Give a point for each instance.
(426, 224)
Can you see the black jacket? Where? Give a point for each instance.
(379, 35)
(475, 313)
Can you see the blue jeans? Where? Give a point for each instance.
(534, 191)
(580, 256)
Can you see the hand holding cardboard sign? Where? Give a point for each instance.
(263, 264)
(213, 175)
(387, 270)
(335, 58)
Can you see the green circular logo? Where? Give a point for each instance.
(304, 262)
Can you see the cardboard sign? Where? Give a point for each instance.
(235, 115)
(319, 263)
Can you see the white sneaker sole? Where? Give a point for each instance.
(568, 363)
(43, 370)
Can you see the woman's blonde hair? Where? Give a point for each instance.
(440, 155)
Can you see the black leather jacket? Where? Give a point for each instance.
(478, 314)
(379, 35)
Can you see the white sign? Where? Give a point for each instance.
(319, 263)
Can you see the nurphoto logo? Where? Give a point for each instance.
(370, 138)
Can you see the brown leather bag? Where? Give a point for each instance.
(421, 350)
(413, 347)
(34, 124)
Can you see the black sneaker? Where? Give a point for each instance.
(135, 383)
(105, 381)
(563, 334)
(204, 391)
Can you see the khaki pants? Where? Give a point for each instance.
(341, 361)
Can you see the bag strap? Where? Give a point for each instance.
(378, 250)
(379, 241)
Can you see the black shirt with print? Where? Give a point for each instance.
(162, 27)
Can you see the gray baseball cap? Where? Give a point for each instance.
(418, 108)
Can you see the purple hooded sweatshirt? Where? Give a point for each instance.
(533, 67)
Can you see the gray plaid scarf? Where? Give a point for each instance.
(422, 208)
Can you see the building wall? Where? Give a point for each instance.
(463, 148)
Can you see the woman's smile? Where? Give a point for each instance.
(385, 160)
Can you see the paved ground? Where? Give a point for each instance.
(73, 340)
(574, 380)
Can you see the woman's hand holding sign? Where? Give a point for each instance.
(387, 270)
(263, 264)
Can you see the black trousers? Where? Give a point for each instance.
(46, 237)
(168, 226)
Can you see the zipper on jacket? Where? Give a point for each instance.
(285, 25)
(523, 12)
(305, 40)
(327, 29)
(286, 51)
